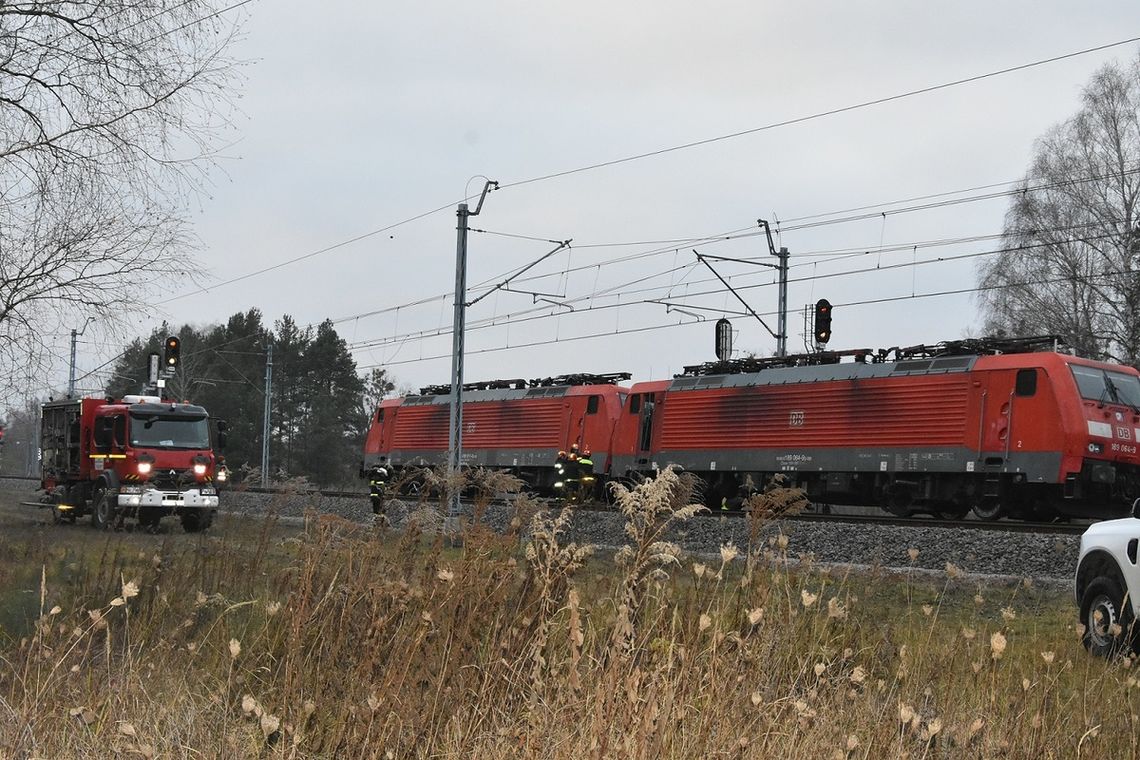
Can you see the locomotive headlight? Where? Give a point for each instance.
(199, 468)
(145, 468)
(221, 475)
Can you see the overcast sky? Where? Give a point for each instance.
(360, 115)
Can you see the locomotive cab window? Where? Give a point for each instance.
(1026, 382)
(380, 415)
(592, 405)
(1103, 386)
(635, 403)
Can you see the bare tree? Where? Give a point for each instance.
(110, 115)
(1071, 255)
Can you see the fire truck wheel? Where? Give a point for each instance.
(106, 504)
(149, 517)
(196, 521)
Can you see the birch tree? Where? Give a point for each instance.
(1071, 260)
(110, 115)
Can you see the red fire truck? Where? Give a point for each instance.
(141, 457)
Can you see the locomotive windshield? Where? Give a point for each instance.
(169, 431)
(1105, 385)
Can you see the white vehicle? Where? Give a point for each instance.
(1108, 585)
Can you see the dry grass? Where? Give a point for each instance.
(341, 641)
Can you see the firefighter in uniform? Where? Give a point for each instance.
(377, 481)
(561, 468)
(585, 475)
(566, 474)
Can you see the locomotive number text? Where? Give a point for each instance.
(1124, 448)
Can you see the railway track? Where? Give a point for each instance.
(1002, 549)
(835, 514)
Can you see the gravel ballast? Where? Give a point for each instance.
(975, 551)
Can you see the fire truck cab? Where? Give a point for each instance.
(141, 457)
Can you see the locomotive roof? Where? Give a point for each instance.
(823, 372)
(504, 394)
(939, 365)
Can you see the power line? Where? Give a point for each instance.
(495, 322)
(624, 288)
(818, 114)
(667, 246)
(662, 151)
(312, 254)
(633, 330)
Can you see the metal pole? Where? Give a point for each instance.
(455, 428)
(782, 339)
(455, 425)
(71, 373)
(266, 417)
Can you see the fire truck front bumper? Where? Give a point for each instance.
(195, 498)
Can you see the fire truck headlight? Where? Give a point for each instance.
(145, 468)
(199, 469)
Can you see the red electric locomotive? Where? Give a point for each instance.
(512, 425)
(996, 426)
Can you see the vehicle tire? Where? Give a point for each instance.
(149, 517)
(989, 509)
(898, 501)
(197, 520)
(104, 508)
(1102, 607)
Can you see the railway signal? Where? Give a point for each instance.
(822, 322)
(172, 353)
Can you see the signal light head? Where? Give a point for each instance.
(822, 321)
(172, 352)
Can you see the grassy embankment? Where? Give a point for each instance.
(339, 641)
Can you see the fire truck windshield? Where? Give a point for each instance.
(155, 431)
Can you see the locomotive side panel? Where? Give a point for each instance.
(1020, 428)
(518, 429)
(420, 428)
(874, 424)
(635, 427)
(378, 440)
(595, 415)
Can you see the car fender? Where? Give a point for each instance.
(1110, 548)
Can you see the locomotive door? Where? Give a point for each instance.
(386, 421)
(1008, 408)
(574, 423)
(645, 428)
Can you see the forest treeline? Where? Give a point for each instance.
(320, 405)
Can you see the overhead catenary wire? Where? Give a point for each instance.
(819, 114)
(674, 325)
(625, 287)
(672, 245)
(538, 314)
